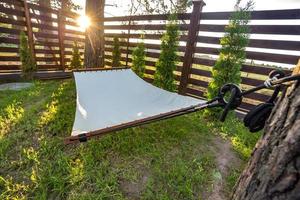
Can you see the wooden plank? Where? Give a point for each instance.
(257, 29)
(12, 21)
(198, 82)
(9, 41)
(43, 18)
(47, 59)
(154, 27)
(245, 68)
(10, 31)
(9, 58)
(11, 11)
(269, 57)
(147, 45)
(17, 3)
(80, 33)
(257, 15)
(71, 23)
(70, 14)
(257, 43)
(132, 35)
(182, 16)
(78, 39)
(47, 51)
(42, 8)
(46, 43)
(195, 92)
(40, 35)
(45, 26)
(193, 32)
(9, 50)
(9, 67)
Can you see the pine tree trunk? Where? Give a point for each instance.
(273, 171)
(94, 42)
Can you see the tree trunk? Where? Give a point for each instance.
(273, 171)
(94, 42)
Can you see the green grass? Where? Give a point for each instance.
(170, 159)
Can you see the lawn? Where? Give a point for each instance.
(171, 159)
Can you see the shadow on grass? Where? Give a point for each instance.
(170, 159)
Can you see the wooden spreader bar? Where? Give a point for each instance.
(86, 136)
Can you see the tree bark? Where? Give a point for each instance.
(94, 42)
(273, 171)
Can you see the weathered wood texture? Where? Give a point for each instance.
(273, 171)
(56, 41)
(44, 26)
(190, 45)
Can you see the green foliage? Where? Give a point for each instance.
(76, 62)
(138, 59)
(116, 54)
(28, 64)
(164, 76)
(232, 54)
(170, 159)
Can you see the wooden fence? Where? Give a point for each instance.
(53, 32)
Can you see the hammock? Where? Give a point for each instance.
(113, 99)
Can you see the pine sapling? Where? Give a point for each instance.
(164, 76)
(116, 54)
(76, 62)
(138, 59)
(28, 65)
(232, 54)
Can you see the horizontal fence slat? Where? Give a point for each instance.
(43, 18)
(17, 3)
(10, 31)
(12, 21)
(184, 16)
(11, 11)
(143, 27)
(9, 50)
(45, 27)
(257, 29)
(256, 15)
(9, 40)
(258, 43)
(269, 57)
(9, 58)
(43, 9)
(263, 70)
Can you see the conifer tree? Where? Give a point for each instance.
(116, 54)
(28, 66)
(138, 59)
(232, 54)
(76, 62)
(164, 76)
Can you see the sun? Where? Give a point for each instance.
(84, 22)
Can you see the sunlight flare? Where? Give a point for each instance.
(84, 22)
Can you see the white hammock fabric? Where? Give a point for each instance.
(109, 98)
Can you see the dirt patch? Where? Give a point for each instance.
(226, 159)
(15, 86)
(133, 190)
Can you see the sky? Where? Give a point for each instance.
(122, 6)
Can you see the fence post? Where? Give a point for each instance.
(29, 29)
(61, 29)
(190, 44)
